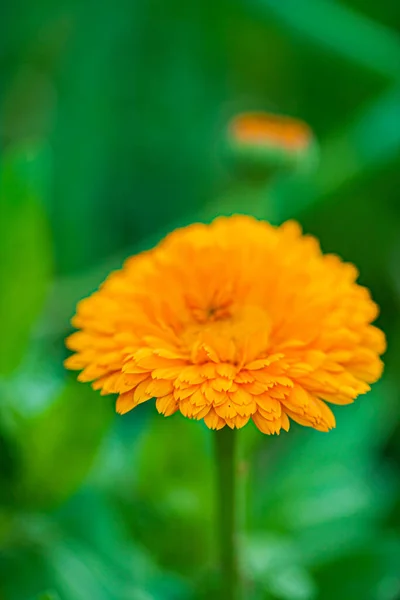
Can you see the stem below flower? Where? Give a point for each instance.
(225, 450)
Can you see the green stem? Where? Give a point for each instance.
(225, 450)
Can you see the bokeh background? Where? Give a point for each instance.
(111, 120)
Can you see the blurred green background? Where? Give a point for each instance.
(111, 120)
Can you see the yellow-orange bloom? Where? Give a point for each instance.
(229, 322)
(273, 130)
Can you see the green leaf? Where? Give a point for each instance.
(369, 573)
(60, 444)
(94, 528)
(175, 491)
(275, 564)
(325, 490)
(23, 573)
(24, 248)
(333, 27)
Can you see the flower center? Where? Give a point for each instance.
(223, 334)
(215, 310)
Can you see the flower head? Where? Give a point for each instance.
(263, 140)
(273, 130)
(229, 322)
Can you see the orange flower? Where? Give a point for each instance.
(260, 143)
(271, 130)
(229, 322)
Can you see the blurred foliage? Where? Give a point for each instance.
(26, 273)
(112, 120)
